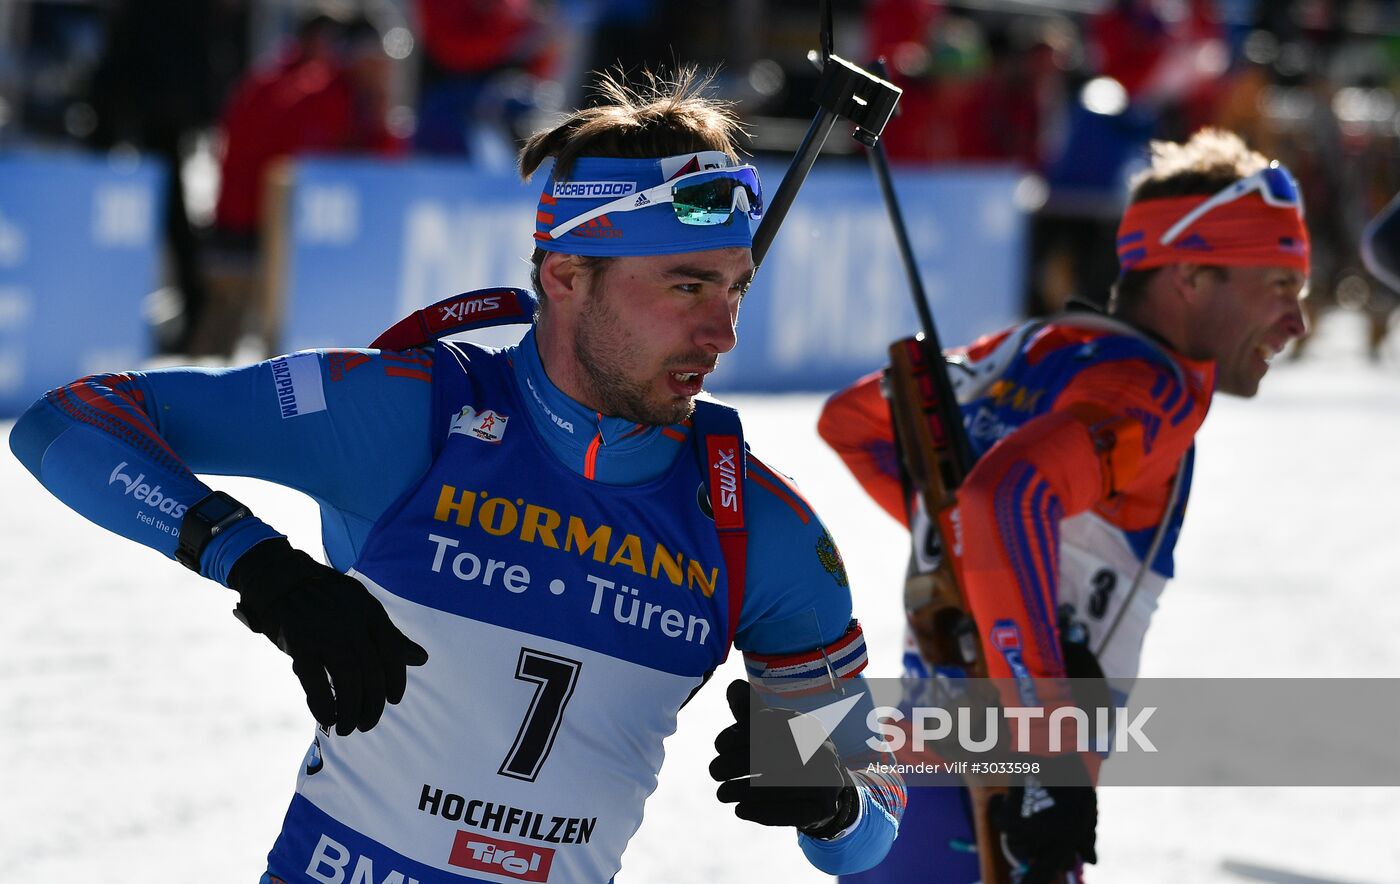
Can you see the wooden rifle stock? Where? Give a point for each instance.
(926, 421)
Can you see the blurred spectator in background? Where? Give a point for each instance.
(1167, 56)
(159, 81)
(327, 92)
(253, 118)
(1243, 94)
(1150, 70)
(1019, 100)
(1333, 116)
(977, 88)
(902, 32)
(1052, 88)
(481, 63)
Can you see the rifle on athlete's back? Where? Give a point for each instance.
(935, 458)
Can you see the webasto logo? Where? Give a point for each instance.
(138, 489)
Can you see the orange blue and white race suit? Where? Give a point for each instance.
(1082, 429)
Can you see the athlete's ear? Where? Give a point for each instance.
(563, 278)
(1188, 281)
(1183, 276)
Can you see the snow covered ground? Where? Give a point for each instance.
(144, 733)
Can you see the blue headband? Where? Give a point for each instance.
(654, 230)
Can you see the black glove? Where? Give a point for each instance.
(824, 807)
(329, 624)
(1048, 829)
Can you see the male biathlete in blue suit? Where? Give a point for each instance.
(537, 554)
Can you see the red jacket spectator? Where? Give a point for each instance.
(309, 101)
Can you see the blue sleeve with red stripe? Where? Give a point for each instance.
(348, 428)
(804, 682)
(807, 681)
(797, 596)
(796, 632)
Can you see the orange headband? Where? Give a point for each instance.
(1244, 232)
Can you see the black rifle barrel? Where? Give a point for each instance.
(931, 344)
(845, 91)
(777, 208)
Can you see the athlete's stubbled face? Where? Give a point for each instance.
(651, 327)
(1248, 316)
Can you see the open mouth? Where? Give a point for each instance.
(1267, 351)
(686, 383)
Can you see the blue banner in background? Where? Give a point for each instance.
(371, 242)
(79, 251)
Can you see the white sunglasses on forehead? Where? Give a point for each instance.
(700, 199)
(1274, 183)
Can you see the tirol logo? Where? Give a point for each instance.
(488, 426)
(138, 489)
(482, 853)
(459, 311)
(728, 480)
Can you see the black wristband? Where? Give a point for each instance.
(203, 521)
(847, 809)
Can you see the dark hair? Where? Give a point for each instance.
(660, 117)
(1210, 161)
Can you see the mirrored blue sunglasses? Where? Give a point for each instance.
(699, 199)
